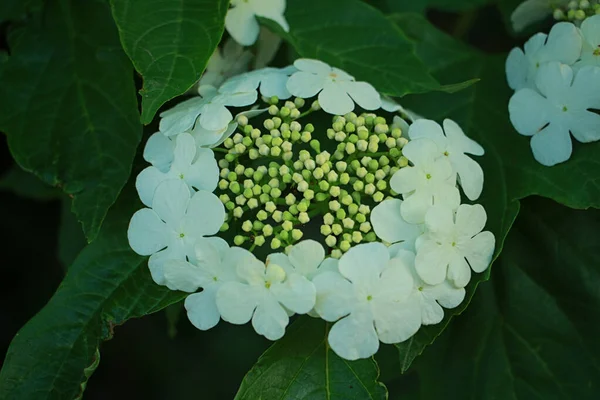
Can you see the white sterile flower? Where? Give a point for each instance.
(241, 21)
(263, 295)
(390, 226)
(366, 294)
(562, 107)
(159, 151)
(272, 82)
(562, 44)
(211, 139)
(169, 230)
(532, 11)
(196, 167)
(337, 90)
(306, 258)
(230, 60)
(454, 244)
(431, 180)
(453, 144)
(213, 265)
(590, 54)
(426, 301)
(210, 107)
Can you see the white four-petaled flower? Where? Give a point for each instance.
(366, 294)
(590, 53)
(561, 106)
(338, 91)
(453, 144)
(431, 180)
(169, 230)
(453, 245)
(390, 226)
(241, 21)
(562, 44)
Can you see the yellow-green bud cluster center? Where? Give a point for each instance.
(283, 181)
(577, 10)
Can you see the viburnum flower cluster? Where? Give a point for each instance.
(532, 11)
(356, 218)
(557, 89)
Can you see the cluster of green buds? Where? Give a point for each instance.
(577, 11)
(278, 179)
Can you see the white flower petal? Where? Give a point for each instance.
(202, 308)
(146, 183)
(242, 25)
(275, 84)
(204, 173)
(185, 151)
(590, 29)
(446, 294)
(304, 84)
(215, 117)
(272, 9)
(470, 220)
(552, 145)
(283, 261)
(397, 322)
(157, 261)
(181, 118)
(459, 272)
(354, 337)
(170, 201)
(480, 250)
(181, 275)
(563, 44)
(296, 293)
(529, 112)
(554, 80)
(159, 151)
(415, 206)
(470, 174)
(517, 67)
(364, 95)
(389, 225)
(395, 283)
(335, 296)
(421, 151)
(236, 302)
(306, 257)
(431, 312)
(205, 215)
(312, 66)
(586, 87)
(146, 233)
(585, 126)
(333, 99)
(270, 319)
(364, 262)
(439, 221)
(405, 180)
(428, 129)
(251, 270)
(457, 138)
(431, 262)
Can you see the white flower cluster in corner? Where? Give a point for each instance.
(376, 281)
(557, 89)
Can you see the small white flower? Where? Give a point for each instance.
(159, 151)
(562, 44)
(389, 225)
(196, 167)
(337, 90)
(306, 258)
(241, 21)
(213, 265)
(210, 108)
(272, 82)
(590, 54)
(365, 294)
(453, 245)
(264, 295)
(562, 107)
(424, 305)
(230, 60)
(169, 230)
(429, 181)
(532, 11)
(454, 144)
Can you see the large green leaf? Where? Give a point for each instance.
(169, 43)
(15, 9)
(54, 354)
(68, 105)
(403, 6)
(302, 366)
(532, 332)
(359, 39)
(511, 173)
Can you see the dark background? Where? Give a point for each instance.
(161, 356)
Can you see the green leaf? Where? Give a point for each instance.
(27, 185)
(511, 172)
(169, 43)
(54, 354)
(403, 6)
(302, 366)
(16, 9)
(532, 332)
(359, 39)
(70, 237)
(68, 105)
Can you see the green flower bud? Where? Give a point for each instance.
(259, 240)
(334, 205)
(337, 229)
(267, 230)
(378, 197)
(286, 134)
(239, 148)
(302, 186)
(239, 240)
(370, 189)
(224, 227)
(348, 223)
(248, 184)
(364, 209)
(224, 198)
(284, 235)
(365, 227)
(328, 219)
(360, 218)
(381, 185)
(346, 200)
(294, 209)
(277, 216)
(362, 145)
(370, 237)
(238, 212)
(370, 178)
(357, 237)
(270, 207)
(350, 148)
(228, 143)
(358, 186)
(247, 226)
(275, 151)
(402, 162)
(337, 254)
(318, 173)
(321, 197)
(315, 145)
(257, 225)
(362, 133)
(361, 172)
(253, 203)
(248, 193)
(334, 191)
(401, 142)
(287, 226)
(369, 120)
(286, 147)
(295, 126)
(315, 106)
(287, 216)
(344, 246)
(230, 205)
(275, 193)
(274, 183)
(253, 154)
(340, 214)
(305, 137)
(339, 136)
(303, 218)
(262, 215)
(330, 241)
(247, 141)
(299, 102)
(338, 155)
(381, 128)
(380, 174)
(269, 124)
(275, 243)
(290, 199)
(326, 167)
(396, 133)
(295, 113)
(395, 153)
(263, 198)
(330, 134)
(353, 139)
(353, 209)
(232, 176)
(297, 234)
(323, 185)
(310, 165)
(284, 112)
(350, 127)
(241, 200)
(309, 194)
(344, 178)
(338, 126)
(325, 230)
(276, 141)
(223, 184)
